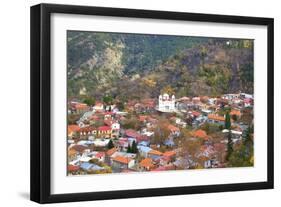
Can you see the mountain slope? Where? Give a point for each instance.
(128, 65)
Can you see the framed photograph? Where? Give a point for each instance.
(133, 103)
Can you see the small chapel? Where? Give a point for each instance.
(166, 103)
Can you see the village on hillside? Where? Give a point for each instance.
(159, 134)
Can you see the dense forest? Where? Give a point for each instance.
(138, 65)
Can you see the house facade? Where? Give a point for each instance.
(121, 162)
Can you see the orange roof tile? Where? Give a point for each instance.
(172, 128)
(71, 152)
(155, 152)
(72, 128)
(235, 112)
(121, 159)
(79, 148)
(147, 162)
(87, 129)
(81, 106)
(200, 133)
(169, 153)
(215, 117)
(104, 128)
(72, 168)
(111, 151)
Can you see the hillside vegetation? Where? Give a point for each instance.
(136, 66)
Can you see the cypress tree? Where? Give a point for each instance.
(134, 147)
(110, 144)
(227, 121)
(229, 146)
(129, 150)
(229, 139)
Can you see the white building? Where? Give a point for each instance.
(166, 103)
(115, 127)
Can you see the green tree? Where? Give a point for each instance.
(229, 137)
(227, 121)
(161, 132)
(107, 99)
(210, 128)
(132, 123)
(203, 54)
(247, 139)
(90, 101)
(110, 144)
(241, 157)
(134, 148)
(129, 149)
(229, 146)
(72, 118)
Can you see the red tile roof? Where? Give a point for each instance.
(72, 168)
(200, 133)
(81, 106)
(173, 128)
(111, 151)
(235, 112)
(72, 128)
(215, 117)
(121, 159)
(169, 153)
(104, 128)
(71, 152)
(132, 133)
(100, 154)
(108, 122)
(195, 113)
(155, 152)
(147, 163)
(79, 148)
(87, 129)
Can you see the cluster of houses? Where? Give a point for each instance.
(99, 142)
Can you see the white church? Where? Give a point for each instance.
(166, 103)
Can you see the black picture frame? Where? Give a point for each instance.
(41, 98)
